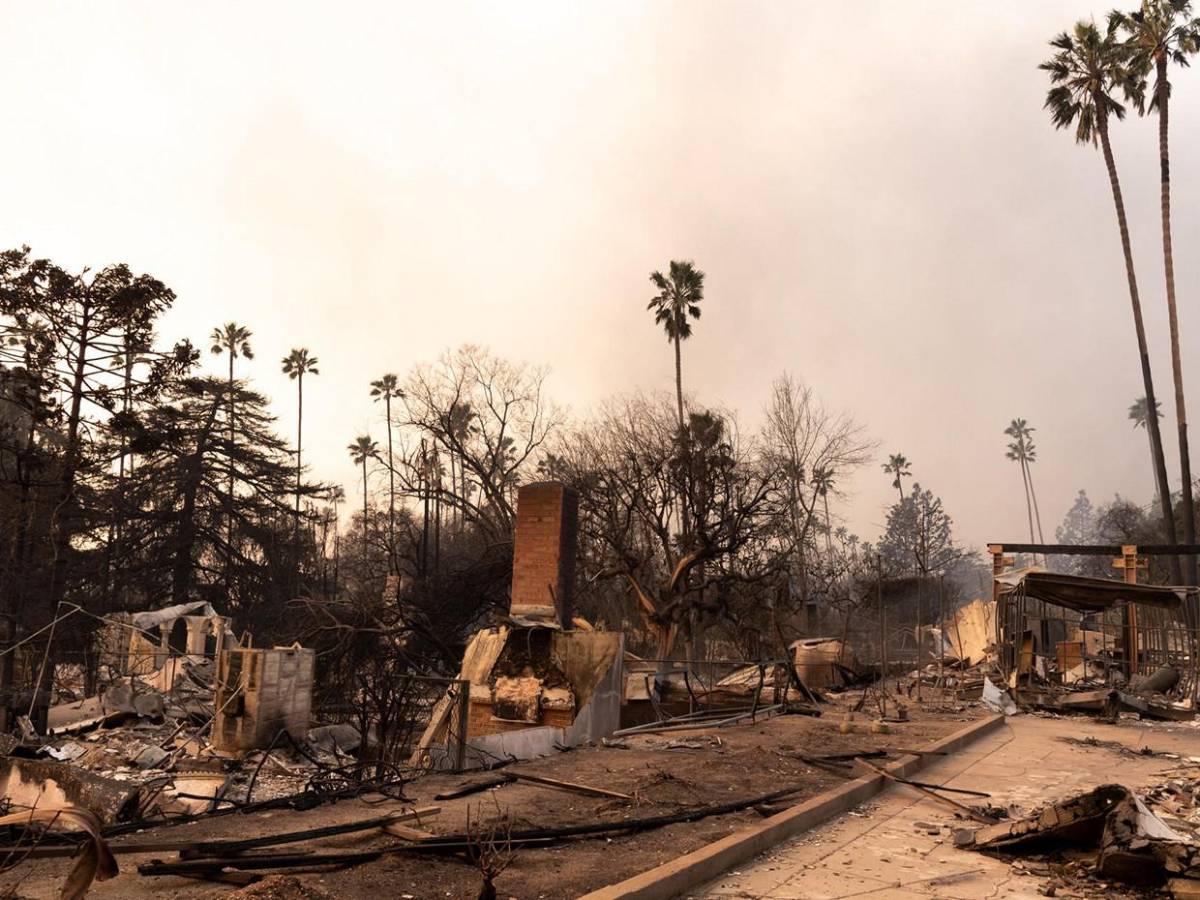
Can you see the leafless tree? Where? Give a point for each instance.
(492, 417)
(631, 467)
(811, 446)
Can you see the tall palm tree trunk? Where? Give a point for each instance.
(679, 382)
(683, 508)
(1153, 456)
(387, 402)
(364, 465)
(1028, 505)
(1037, 515)
(1185, 465)
(1160, 466)
(299, 441)
(229, 517)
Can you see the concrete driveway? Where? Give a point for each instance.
(901, 846)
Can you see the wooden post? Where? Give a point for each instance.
(920, 640)
(941, 641)
(1128, 562)
(997, 552)
(999, 563)
(882, 625)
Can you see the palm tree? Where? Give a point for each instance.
(678, 297)
(233, 340)
(1023, 451)
(822, 482)
(1160, 33)
(337, 496)
(1084, 71)
(385, 389)
(899, 466)
(1139, 413)
(361, 450)
(296, 365)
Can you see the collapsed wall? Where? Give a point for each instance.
(260, 692)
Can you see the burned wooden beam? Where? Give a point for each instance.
(570, 786)
(1099, 549)
(232, 847)
(475, 787)
(250, 863)
(928, 792)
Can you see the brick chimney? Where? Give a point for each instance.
(544, 552)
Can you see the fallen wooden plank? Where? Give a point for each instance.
(839, 757)
(408, 834)
(571, 786)
(965, 810)
(251, 863)
(233, 847)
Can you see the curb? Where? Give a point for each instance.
(679, 875)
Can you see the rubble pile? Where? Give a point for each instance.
(146, 747)
(1177, 803)
(1106, 835)
(135, 739)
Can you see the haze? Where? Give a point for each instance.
(875, 193)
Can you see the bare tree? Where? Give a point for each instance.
(493, 417)
(803, 439)
(632, 468)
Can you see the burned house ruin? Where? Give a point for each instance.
(542, 679)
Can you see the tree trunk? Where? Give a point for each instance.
(185, 534)
(299, 440)
(62, 514)
(1153, 456)
(299, 465)
(232, 441)
(392, 566)
(828, 527)
(1185, 465)
(364, 465)
(453, 523)
(423, 481)
(683, 507)
(679, 382)
(1028, 505)
(1037, 515)
(1160, 466)
(337, 549)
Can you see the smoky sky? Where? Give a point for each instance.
(874, 191)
